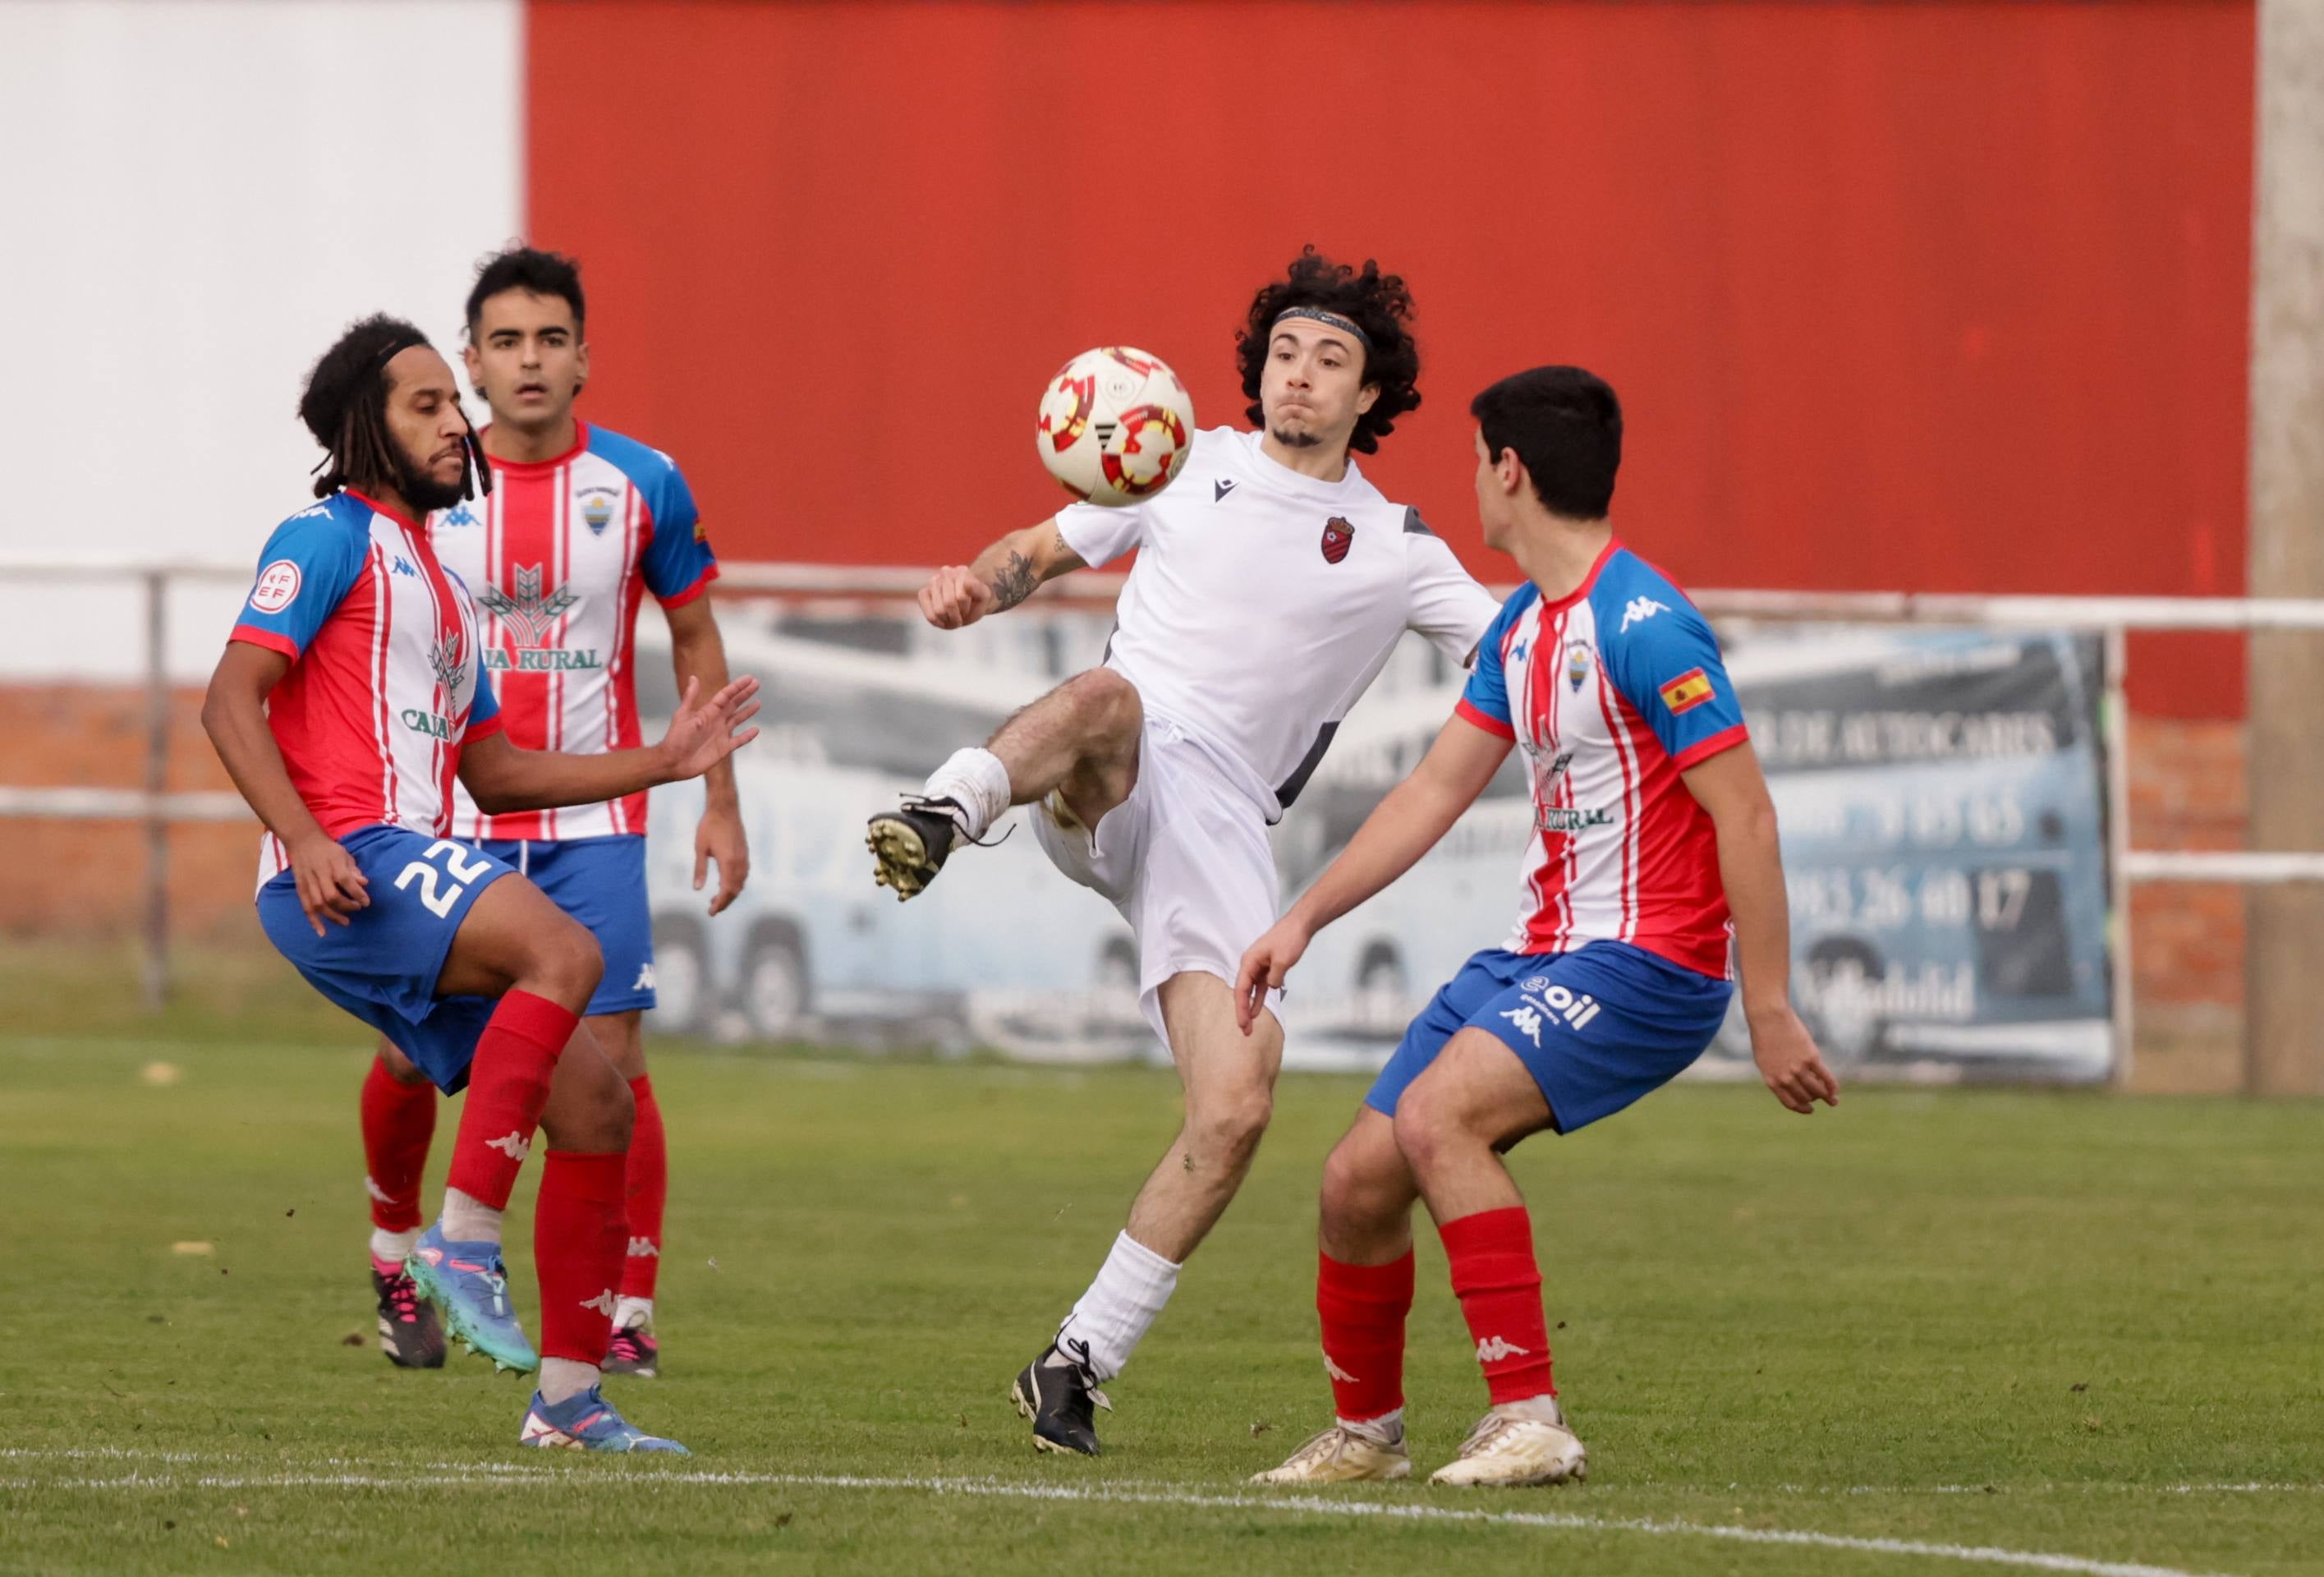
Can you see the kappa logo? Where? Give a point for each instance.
(459, 515)
(1220, 488)
(1337, 1373)
(376, 1192)
(526, 610)
(403, 567)
(645, 981)
(644, 1249)
(603, 1303)
(1638, 610)
(1493, 1349)
(1526, 1021)
(515, 1146)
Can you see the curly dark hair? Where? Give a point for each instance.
(520, 267)
(1378, 302)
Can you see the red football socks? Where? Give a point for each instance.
(576, 1252)
(508, 1085)
(1362, 1309)
(648, 1191)
(1500, 1288)
(399, 1119)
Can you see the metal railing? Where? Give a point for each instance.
(2115, 618)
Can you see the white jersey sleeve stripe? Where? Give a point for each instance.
(381, 739)
(1626, 753)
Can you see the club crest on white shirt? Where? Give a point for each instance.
(1577, 662)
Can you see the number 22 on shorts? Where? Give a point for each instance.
(458, 864)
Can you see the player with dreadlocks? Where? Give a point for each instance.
(1272, 581)
(346, 703)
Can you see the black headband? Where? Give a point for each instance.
(1330, 320)
(480, 468)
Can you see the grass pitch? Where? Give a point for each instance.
(1922, 1334)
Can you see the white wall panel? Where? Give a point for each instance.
(195, 196)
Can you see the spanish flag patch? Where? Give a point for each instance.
(1689, 690)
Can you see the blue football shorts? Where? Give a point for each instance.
(602, 883)
(383, 966)
(1597, 1028)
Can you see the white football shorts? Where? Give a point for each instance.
(1185, 858)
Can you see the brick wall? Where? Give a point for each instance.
(64, 878)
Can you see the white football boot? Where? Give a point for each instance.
(1339, 1455)
(1527, 1444)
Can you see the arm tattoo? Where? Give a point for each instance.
(1013, 582)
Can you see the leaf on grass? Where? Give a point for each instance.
(352, 1339)
(785, 1519)
(1262, 1428)
(194, 1246)
(2080, 1386)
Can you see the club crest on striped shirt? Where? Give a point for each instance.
(1577, 662)
(597, 508)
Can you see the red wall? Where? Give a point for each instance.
(1925, 296)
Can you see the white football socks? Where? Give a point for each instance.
(1120, 1307)
(391, 1248)
(976, 781)
(633, 1314)
(563, 1379)
(469, 1220)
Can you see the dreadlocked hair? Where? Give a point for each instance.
(345, 404)
(1378, 302)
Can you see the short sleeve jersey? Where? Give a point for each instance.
(560, 555)
(1612, 693)
(1264, 603)
(382, 688)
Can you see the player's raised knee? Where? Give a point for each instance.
(565, 964)
(1355, 1193)
(1107, 703)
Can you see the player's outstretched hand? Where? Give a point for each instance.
(1788, 1060)
(954, 596)
(1264, 965)
(702, 736)
(330, 883)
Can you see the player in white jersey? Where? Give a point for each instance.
(1272, 581)
(1654, 844)
(583, 524)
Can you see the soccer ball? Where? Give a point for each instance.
(1116, 426)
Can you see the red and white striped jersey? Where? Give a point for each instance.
(384, 687)
(559, 555)
(1612, 692)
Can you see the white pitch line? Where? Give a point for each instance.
(1652, 1486)
(1984, 1554)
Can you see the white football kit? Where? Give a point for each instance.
(1262, 604)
